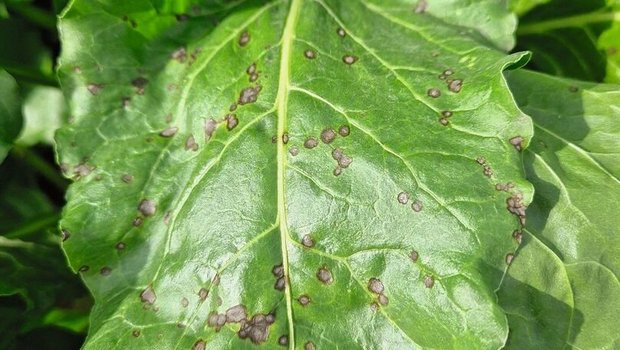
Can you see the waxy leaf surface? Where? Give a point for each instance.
(312, 173)
(562, 290)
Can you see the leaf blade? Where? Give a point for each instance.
(573, 165)
(201, 223)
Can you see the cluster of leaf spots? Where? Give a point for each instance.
(514, 203)
(328, 136)
(247, 95)
(256, 328)
(278, 272)
(445, 117)
(375, 286)
(453, 85)
(403, 198)
(486, 167)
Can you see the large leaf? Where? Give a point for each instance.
(577, 39)
(10, 115)
(570, 259)
(301, 173)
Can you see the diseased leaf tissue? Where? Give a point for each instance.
(291, 175)
(322, 174)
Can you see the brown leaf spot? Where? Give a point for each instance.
(244, 39)
(190, 143)
(231, 121)
(169, 132)
(249, 95)
(310, 143)
(517, 142)
(349, 59)
(127, 178)
(94, 88)
(416, 206)
(433, 92)
(199, 345)
(429, 281)
(304, 300)
(324, 275)
(307, 241)
(383, 300)
(257, 329)
(283, 340)
(421, 6)
(147, 207)
(455, 85)
(236, 314)
(148, 295)
(328, 135)
(310, 54)
(403, 198)
(375, 285)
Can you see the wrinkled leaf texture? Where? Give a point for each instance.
(188, 192)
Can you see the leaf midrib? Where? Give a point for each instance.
(288, 36)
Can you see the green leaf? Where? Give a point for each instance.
(10, 116)
(23, 53)
(562, 290)
(521, 7)
(44, 110)
(193, 185)
(490, 18)
(576, 39)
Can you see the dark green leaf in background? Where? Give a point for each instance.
(357, 147)
(38, 294)
(576, 39)
(570, 258)
(521, 7)
(10, 114)
(42, 304)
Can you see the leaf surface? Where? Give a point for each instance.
(44, 111)
(562, 290)
(489, 19)
(304, 167)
